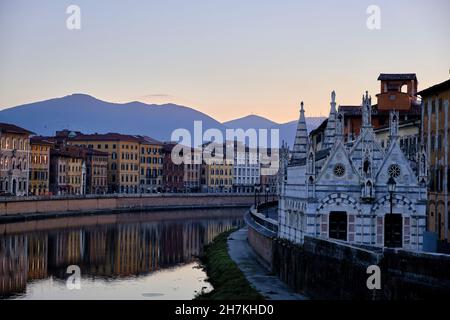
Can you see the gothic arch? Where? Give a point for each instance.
(339, 199)
(398, 200)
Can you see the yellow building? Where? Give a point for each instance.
(67, 171)
(151, 164)
(39, 166)
(14, 160)
(435, 134)
(123, 158)
(218, 171)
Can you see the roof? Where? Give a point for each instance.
(320, 128)
(41, 140)
(68, 151)
(149, 140)
(105, 137)
(397, 76)
(11, 128)
(402, 124)
(355, 111)
(77, 152)
(321, 154)
(435, 89)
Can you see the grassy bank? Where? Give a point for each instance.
(224, 275)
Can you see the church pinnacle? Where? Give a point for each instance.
(330, 131)
(301, 137)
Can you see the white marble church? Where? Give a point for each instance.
(343, 191)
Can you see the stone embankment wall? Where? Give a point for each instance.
(324, 269)
(41, 206)
(260, 235)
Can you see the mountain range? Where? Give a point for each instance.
(80, 112)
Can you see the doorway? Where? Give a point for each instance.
(338, 225)
(393, 226)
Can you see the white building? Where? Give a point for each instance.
(343, 191)
(247, 169)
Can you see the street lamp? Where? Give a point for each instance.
(267, 201)
(254, 189)
(391, 189)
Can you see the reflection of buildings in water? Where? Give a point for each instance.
(104, 250)
(97, 253)
(37, 256)
(65, 248)
(13, 265)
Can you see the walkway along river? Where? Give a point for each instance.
(120, 256)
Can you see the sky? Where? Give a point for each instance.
(227, 58)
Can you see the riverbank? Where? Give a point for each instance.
(227, 279)
(33, 208)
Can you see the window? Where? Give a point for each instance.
(394, 171)
(339, 170)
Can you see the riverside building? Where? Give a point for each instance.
(357, 191)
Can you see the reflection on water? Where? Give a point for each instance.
(138, 259)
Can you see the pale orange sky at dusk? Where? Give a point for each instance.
(227, 59)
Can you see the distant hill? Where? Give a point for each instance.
(251, 121)
(80, 112)
(287, 130)
(87, 114)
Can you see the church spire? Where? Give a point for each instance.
(330, 131)
(393, 124)
(366, 111)
(301, 138)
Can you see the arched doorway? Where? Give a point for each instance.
(14, 187)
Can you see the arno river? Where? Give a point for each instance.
(126, 256)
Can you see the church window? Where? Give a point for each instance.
(339, 170)
(394, 171)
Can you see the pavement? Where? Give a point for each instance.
(259, 276)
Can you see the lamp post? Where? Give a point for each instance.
(254, 189)
(391, 189)
(267, 201)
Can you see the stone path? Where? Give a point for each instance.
(259, 277)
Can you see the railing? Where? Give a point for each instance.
(260, 222)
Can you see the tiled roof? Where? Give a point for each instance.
(105, 137)
(397, 76)
(149, 140)
(11, 128)
(42, 140)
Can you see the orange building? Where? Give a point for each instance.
(397, 92)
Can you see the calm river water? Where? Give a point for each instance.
(126, 256)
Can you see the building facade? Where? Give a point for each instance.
(173, 173)
(123, 158)
(247, 169)
(14, 160)
(192, 171)
(151, 165)
(96, 171)
(356, 192)
(218, 169)
(40, 166)
(435, 129)
(398, 91)
(67, 171)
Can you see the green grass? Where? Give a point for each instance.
(228, 281)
